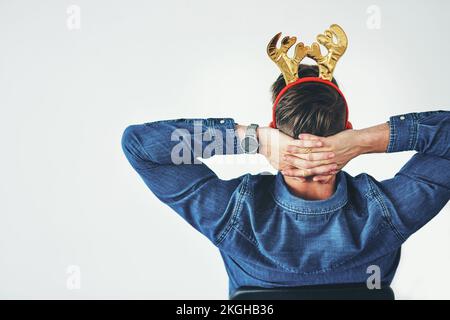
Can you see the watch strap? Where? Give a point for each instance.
(251, 131)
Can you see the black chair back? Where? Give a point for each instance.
(328, 292)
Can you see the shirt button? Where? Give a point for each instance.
(402, 118)
(222, 121)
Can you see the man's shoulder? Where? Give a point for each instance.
(362, 184)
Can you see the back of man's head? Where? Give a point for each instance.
(313, 108)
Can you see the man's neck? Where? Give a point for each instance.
(311, 190)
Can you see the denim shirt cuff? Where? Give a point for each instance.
(227, 127)
(403, 133)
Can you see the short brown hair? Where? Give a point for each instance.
(313, 108)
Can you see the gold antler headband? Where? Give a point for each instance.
(327, 64)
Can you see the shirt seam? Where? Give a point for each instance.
(236, 211)
(386, 213)
(392, 136)
(414, 134)
(331, 268)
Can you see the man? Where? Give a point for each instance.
(311, 224)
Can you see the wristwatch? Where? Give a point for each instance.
(250, 143)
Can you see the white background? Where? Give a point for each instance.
(69, 197)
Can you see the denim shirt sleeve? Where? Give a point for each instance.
(422, 187)
(165, 154)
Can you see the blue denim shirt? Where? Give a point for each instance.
(269, 237)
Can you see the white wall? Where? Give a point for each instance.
(68, 196)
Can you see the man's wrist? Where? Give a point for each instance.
(264, 141)
(240, 131)
(373, 139)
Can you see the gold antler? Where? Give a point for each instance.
(327, 64)
(288, 66)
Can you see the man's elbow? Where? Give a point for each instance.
(131, 144)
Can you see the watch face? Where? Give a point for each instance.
(250, 145)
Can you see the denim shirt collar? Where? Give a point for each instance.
(284, 198)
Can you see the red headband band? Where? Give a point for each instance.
(273, 124)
